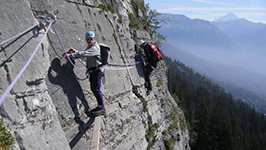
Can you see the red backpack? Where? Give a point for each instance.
(156, 54)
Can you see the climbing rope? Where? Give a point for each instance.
(130, 77)
(28, 62)
(66, 52)
(40, 25)
(124, 65)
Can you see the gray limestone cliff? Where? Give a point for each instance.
(46, 108)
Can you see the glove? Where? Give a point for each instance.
(71, 50)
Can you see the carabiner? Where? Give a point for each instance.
(50, 16)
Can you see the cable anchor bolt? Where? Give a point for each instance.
(50, 18)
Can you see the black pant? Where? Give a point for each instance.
(95, 81)
(148, 69)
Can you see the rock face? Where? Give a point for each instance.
(46, 108)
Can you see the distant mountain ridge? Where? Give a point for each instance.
(245, 34)
(223, 41)
(194, 32)
(229, 16)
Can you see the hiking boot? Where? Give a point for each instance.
(98, 111)
(148, 92)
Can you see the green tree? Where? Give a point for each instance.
(216, 121)
(152, 24)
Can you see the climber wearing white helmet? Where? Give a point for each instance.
(95, 69)
(152, 56)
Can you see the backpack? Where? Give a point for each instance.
(105, 53)
(155, 51)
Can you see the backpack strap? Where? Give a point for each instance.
(155, 51)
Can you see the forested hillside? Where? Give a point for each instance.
(215, 119)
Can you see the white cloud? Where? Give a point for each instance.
(211, 2)
(254, 14)
(175, 9)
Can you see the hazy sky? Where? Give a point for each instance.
(252, 10)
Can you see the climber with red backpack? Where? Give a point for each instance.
(152, 57)
(94, 64)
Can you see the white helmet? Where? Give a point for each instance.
(141, 42)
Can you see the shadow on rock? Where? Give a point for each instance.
(67, 80)
(82, 131)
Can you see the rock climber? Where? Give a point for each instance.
(152, 56)
(94, 68)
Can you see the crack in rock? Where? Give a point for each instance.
(34, 82)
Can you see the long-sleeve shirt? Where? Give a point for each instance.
(92, 54)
